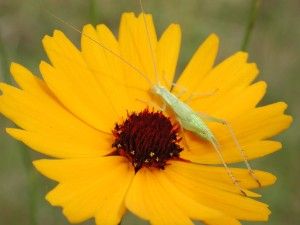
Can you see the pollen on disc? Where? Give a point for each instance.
(147, 139)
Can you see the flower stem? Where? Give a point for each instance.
(255, 4)
(31, 185)
(93, 12)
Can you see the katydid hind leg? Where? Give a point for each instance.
(216, 146)
(236, 142)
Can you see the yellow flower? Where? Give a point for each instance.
(114, 154)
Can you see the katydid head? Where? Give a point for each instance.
(157, 89)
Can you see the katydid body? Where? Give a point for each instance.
(188, 119)
(193, 122)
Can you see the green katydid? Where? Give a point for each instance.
(194, 121)
(185, 115)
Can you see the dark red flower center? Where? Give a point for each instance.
(147, 139)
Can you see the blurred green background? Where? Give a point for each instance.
(274, 46)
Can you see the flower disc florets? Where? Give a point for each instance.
(147, 139)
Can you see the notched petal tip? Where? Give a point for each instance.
(140, 15)
(49, 41)
(242, 55)
(281, 107)
(58, 33)
(102, 26)
(127, 15)
(104, 32)
(46, 39)
(87, 27)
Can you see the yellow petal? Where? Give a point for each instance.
(225, 73)
(239, 98)
(249, 128)
(240, 101)
(224, 185)
(218, 176)
(188, 205)
(234, 205)
(58, 47)
(259, 123)
(222, 220)
(27, 81)
(39, 113)
(135, 48)
(63, 169)
(67, 145)
(231, 154)
(167, 54)
(74, 84)
(48, 124)
(199, 65)
(105, 65)
(225, 82)
(153, 198)
(89, 187)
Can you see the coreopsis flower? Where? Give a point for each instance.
(112, 149)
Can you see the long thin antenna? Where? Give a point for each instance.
(101, 45)
(149, 43)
